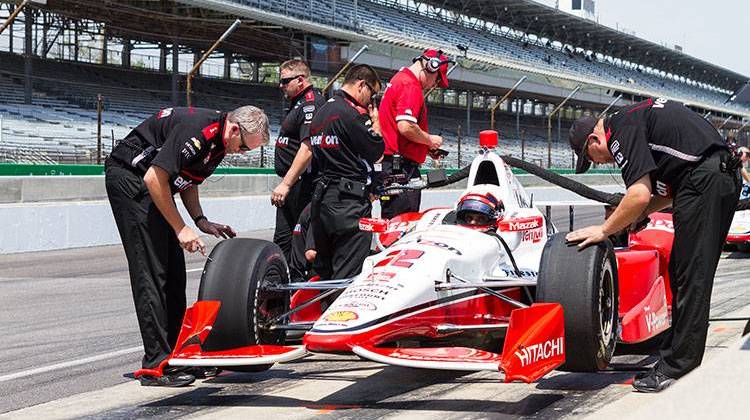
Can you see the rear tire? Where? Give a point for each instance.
(585, 284)
(237, 274)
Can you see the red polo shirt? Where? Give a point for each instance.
(403, 100)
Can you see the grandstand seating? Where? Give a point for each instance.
(395, 24)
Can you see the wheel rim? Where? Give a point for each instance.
(606, 305)
(269, 304)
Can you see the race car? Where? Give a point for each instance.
(439, 295)
(739, 230)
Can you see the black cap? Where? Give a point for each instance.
(579, 132)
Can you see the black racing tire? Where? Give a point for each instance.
(743, 247)
(236, 274)
(585, 284)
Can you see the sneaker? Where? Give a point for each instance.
(173, 379)
(652, 381)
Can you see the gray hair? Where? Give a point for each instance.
(252, 119)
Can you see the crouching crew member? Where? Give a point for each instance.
(171, 152)
(403, 114)
(669, 156)
(292, 155)
(346, 142)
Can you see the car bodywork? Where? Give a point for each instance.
(435, 286)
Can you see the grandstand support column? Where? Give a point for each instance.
(497, 104)
(75, 41)
(162, 58)
(469, 101)
(127, 48)
(98, 128)
(28, 28)
(198, 64)
(611, 104)
(175, 72)
(104, 44)
(549, 123)
(228, 57)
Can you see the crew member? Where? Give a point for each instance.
(669, 156)
(292, 155)
(171, 152)
(403, 114)
(303, 249)
(346, 142)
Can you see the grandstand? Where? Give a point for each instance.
(56, 59)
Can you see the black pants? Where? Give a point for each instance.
(703, 209)
(302, 240)
(407, 201)
(155, 261)
(288, 214)
(341, 246)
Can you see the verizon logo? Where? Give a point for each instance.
(541, 351)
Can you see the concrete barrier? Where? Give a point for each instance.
(39, 226)
(37, 189)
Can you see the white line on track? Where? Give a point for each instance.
(192, 270)
(69, 364)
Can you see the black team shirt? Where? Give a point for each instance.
(295, 127)
(662, 138)
(343, 142)
(186, 142)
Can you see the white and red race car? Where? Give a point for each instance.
(739, 230)
(438, 296)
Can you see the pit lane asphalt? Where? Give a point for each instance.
(70, 339)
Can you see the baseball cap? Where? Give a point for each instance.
(577, 136)
(443, 71)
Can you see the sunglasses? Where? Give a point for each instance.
(375, 93)
(286, 80)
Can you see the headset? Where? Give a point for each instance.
(432, 64)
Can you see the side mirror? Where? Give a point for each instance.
(369, 224)
(521, 224)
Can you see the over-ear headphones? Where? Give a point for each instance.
(432, 64)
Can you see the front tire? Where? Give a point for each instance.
(585, 284)
(238, 273)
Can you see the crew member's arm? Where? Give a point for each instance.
(412, 132)
(636, 200)
(365, 136)
(157, 182)
(299, 165)
(191, 199)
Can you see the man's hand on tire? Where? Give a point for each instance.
(190, 241)
(586, 236)
(216, 229)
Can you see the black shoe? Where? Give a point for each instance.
(652, 381)
(173, 379)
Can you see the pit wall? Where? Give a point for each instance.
(42, 213)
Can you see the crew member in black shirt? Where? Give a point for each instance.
(669, 157)
(346, 142)
(171, 152)
(292, 155)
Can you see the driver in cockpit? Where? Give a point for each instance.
(479, 211)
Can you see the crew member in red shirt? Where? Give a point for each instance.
(403, 121)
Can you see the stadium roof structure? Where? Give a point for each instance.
(547, 22)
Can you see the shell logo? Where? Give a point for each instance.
(341, 316)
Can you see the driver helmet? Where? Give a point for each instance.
(479, 211)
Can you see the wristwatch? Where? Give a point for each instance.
(199, 218)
